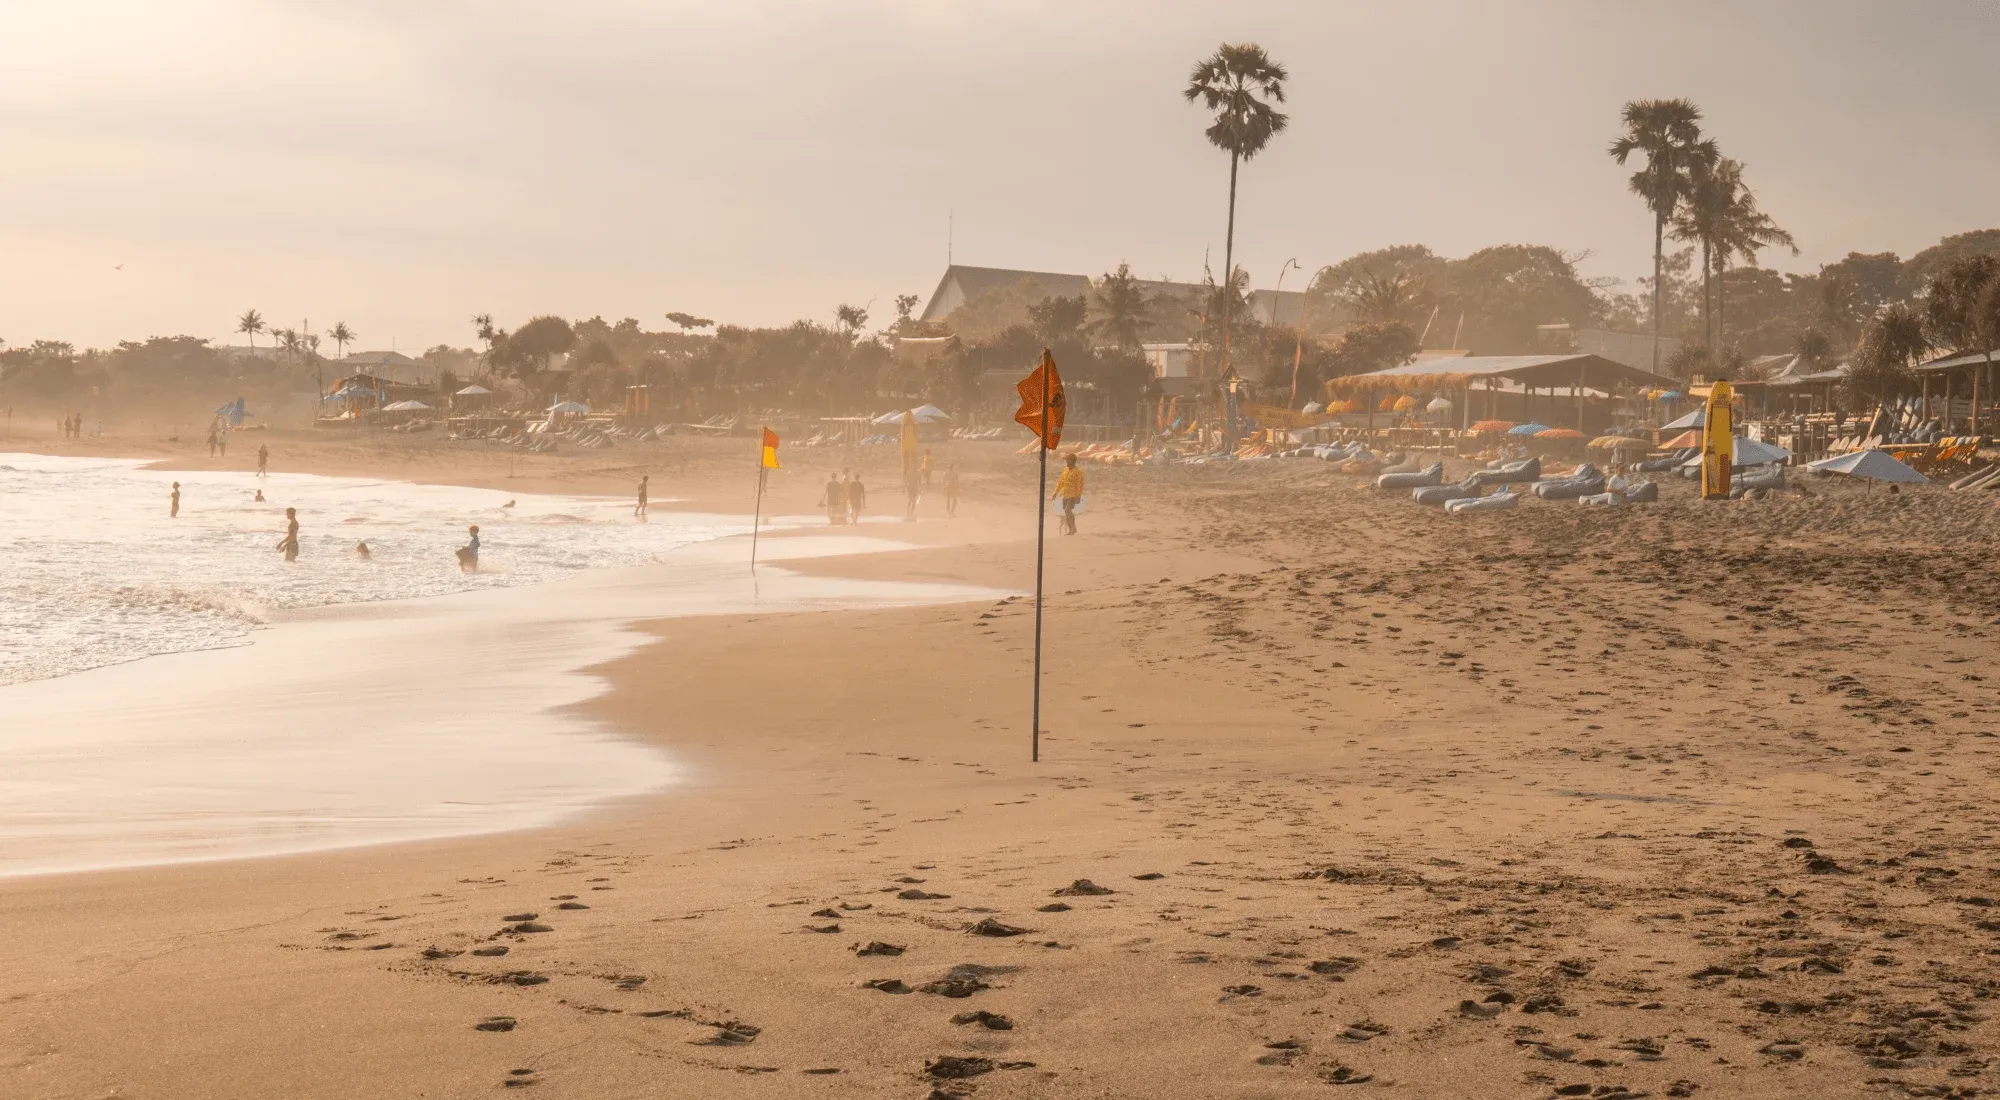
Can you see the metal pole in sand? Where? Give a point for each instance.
(757, 514)
(1041, 537)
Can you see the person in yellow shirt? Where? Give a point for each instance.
(1069, 489)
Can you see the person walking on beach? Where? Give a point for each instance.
(263, 460)
(857, 498)
(926, 466)
(290, 543)
(222, 442)
(913, 489)
(468, 555)
(640, 509)
(951, 490)
(1069, 487)
(211, 441)
(174, 502)
(835, 501)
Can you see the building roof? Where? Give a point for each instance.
(1953, 362)
(379, 359)
(962, 283)
(1593, 371)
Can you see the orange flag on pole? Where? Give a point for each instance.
(1042, 393)
(770, 449)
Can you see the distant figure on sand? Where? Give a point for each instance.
(361, 550)
(468, 555)
(222, 442)
(290, 543)
(174, 501)
(950, 490)
(263, 460)
(913, 490)
(857, 498)
(926, 466)
(211, 442)
(640, 510)
(1069, 487)
(836, 501)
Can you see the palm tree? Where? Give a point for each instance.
(1668, 133)
(1745, 231)
(250, 324)
(1122, 307)
(341, 336)
(1891, 341)
(1386, 298)
(1230, 83)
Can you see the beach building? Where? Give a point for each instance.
(1176, 306)
(1578, 391)
(391, 366)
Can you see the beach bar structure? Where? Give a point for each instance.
(1548, 389)
(1958, 390)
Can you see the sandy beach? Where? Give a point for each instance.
(1335, 791)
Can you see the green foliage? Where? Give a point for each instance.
(1239, 83)
(1120, 309)
(1917, 273)
(539, 341)
(1893, 339)
(1953, 302)
(1376, 345)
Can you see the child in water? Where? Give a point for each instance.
(361, 551)
(468, 555)
(174, 502)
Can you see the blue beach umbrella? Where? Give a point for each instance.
(1527, 429)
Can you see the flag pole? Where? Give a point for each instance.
(1041, 537)
(757, 513)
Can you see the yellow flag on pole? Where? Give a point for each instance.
(770, 449)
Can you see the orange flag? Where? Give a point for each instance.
(1044, 380)
(770, 449)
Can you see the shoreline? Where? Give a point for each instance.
(1616, 782)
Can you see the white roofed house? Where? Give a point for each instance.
(393, 366)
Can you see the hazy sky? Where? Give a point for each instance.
(402, 164)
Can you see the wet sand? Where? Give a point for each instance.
(1675, 800)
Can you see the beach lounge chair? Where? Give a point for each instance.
(1498, 502)
(1510, 473)
(1585, 480)
(1432, 474)
(1441, 495)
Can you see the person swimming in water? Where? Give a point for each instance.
(260, 497)
(468, 555)
(174, 501)
(290, 543)
(361, 551)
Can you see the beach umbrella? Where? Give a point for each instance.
(1312, 407)
(1438, 404)
(930, 414)
(1621, 443)
(1672, 395)
(1406, 403)
(1688, 438)
(1746, 452)
(1559, 434)
(569, 407)
(1492, 425)
(474, 390)
(404, 406)
(1871, 464)
(1695, 419)
(1528, 429)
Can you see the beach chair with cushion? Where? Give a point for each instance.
(1511, 473)
(1441, 495)
(1582, 481)
(1498, 502)
(1432, 474)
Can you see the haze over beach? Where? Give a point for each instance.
(998, 551)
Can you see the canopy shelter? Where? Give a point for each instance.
(1577, 375)
(1958, 389)
(1747, 452)
(923, 414)
(1871, 464)
(405, 406)
(474, 390)
(1695, 419)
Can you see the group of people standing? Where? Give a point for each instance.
(72, 426)
(845, 498)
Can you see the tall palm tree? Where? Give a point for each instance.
(1745, 231)
(341, 336)
(1386, 297)
(1122, 308)
(1668, 133)
(250, 324)
(1236, 82)
(1892, 340)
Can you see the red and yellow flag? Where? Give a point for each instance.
(770, 449)
(1044, 385)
